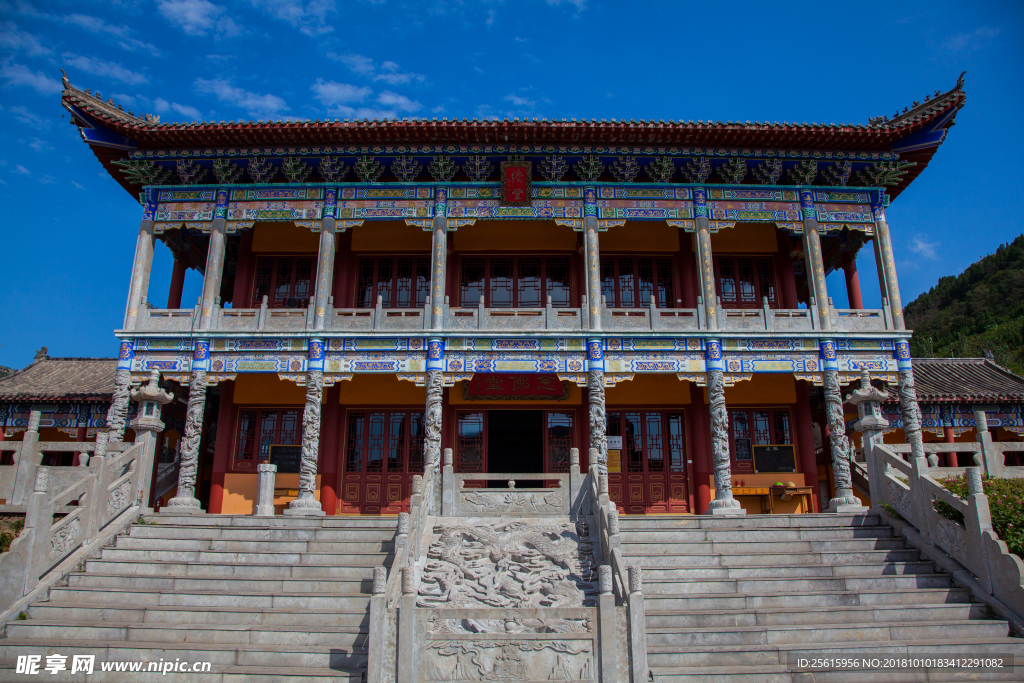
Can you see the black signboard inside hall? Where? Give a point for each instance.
(286, 458)
(775, 458)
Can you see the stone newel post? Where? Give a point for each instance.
(265, 490)
(844, 499)
(185, 501)
(147, 425)
(724, 503)
(306, 502)
(871, 426)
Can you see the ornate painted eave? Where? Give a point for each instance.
(915, 134)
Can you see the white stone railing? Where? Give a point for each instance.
(94, 507)
(908, 488)
(16, 480)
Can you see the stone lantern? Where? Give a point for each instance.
(147, 425)
(871, 426)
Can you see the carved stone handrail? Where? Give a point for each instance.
(109, 490)
(974, 544)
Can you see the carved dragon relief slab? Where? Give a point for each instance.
(509, 565)
(510, 660)
(495, 502)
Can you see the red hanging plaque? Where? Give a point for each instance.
(495, 387)
(516, 178)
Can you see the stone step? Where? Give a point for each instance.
(263, 533)
(774, 559)
(780, 674)
(360, 581)
(758, 547)
(815, 615)
(836, 633)
(672, 536)
(276, 546)
(778, 655)
(791, 571)
(832, 599)
(222, 674)
(230, 569)
(172, 615)
(221, 557)
(786, 584)
(207, 599)
(325, 522)
(199, 633)
(632, 522)
(220, 655)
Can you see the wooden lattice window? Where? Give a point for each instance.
(743, 280)
(380, 441)
(261, 428)
(751, 427)
(559, 438)
(629, 282)
(286, 281)
(400, 282)
(515, 281)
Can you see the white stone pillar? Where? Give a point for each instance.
(265, 490)
(705, 265)
(185, 501)
(324, 272)
(815, 262)
(438, 258)
(593, 257)
(306, 502)
(28, 460)
(142, 265)
(724, 503)
(886, 264)
(214, 271)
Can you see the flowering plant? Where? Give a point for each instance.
(1005, 502)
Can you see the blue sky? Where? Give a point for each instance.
(69, 230)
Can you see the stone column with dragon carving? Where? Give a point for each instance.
(595, 391)
(117, 414)
(433, 419)
(843, 499)
(724, 503)
(306, 503)
(185, 501)
(910, 411)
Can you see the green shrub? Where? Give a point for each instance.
(1005, 502)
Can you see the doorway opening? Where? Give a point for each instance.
(515, 441)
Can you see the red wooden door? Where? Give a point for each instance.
(652, 472)
(383, 450)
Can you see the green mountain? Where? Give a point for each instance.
(979, 310)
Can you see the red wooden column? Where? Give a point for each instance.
(949, 437)
(240, 296)
(330, 451)
(852, 280)
(700, 429)
(805, 442)
(177, 283)
(784, 268)
(222, 446)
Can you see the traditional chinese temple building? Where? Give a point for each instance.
(650, 292)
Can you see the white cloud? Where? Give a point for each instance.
(78, 185)
(580, 5)
(47, 180)
(162, 106)
(922, 248)
(98, 67)
(310, 18)
(29, 118)
(331, 93)
(21, 170)
(479, 70)
(399, 102)
(253, 103)
(969, 42)
(198, 17)
(388, 71)
(12, 38)
(344, 111)
(19, 74)
(520, 101)
(97, 25)
(40, 145)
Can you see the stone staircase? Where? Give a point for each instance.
(734, 599)
(263, 599)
